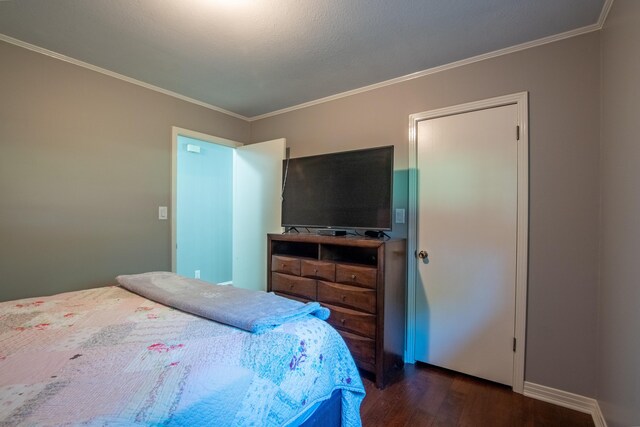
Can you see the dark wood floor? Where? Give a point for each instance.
(424, 395)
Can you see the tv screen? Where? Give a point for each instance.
(345, 190)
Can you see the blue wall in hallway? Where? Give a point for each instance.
(204, 210)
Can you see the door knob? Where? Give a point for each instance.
(422, 254)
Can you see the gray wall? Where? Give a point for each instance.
(85, 161)
(619, 317)
(563, 80)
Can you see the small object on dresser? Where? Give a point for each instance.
(374, 233)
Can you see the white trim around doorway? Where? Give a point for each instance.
(521, 101)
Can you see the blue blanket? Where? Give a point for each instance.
(253, 311)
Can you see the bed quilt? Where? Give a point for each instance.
(107, 356)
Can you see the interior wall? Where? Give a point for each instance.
(85, 161)
(563, 80)
(204, 189)
(619, 317)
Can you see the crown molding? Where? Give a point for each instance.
(523, 46)
(604, 13)
(61, 57)
(517, 48)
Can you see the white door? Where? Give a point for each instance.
(257, 204)
(467, 224)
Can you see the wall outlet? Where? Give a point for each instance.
(162, 212)
(399, 216)
(197, 274)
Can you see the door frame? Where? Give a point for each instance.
(521, 100)
(175, 133)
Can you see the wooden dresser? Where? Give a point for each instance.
(361, 280)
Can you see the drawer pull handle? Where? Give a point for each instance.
(344, 298)
(290, 287)
(315, 271)
(282, 266)
(342, 321)
(353, 277)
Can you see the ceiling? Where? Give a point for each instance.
(252, 57)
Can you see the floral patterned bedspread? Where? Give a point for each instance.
(106, 356)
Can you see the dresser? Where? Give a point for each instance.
(361, 280)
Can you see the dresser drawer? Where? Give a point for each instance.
(347, 296)
(356, 275)
(362, 349)
(293, 285)
(318, 269)
(353, 321)
(285, 264)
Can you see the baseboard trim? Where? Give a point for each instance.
(229, 283)
(567, 400)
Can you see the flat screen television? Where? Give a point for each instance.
(347, 190)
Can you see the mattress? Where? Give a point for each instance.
(106, 356)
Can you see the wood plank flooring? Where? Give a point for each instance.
(427, 396)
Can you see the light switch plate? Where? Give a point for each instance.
(162, 212)
(399, 216)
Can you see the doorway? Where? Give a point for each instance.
(204, 200)
(468, 229)
(225, 199)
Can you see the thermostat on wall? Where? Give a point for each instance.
(192, 148)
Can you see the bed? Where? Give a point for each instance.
(107, 356)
